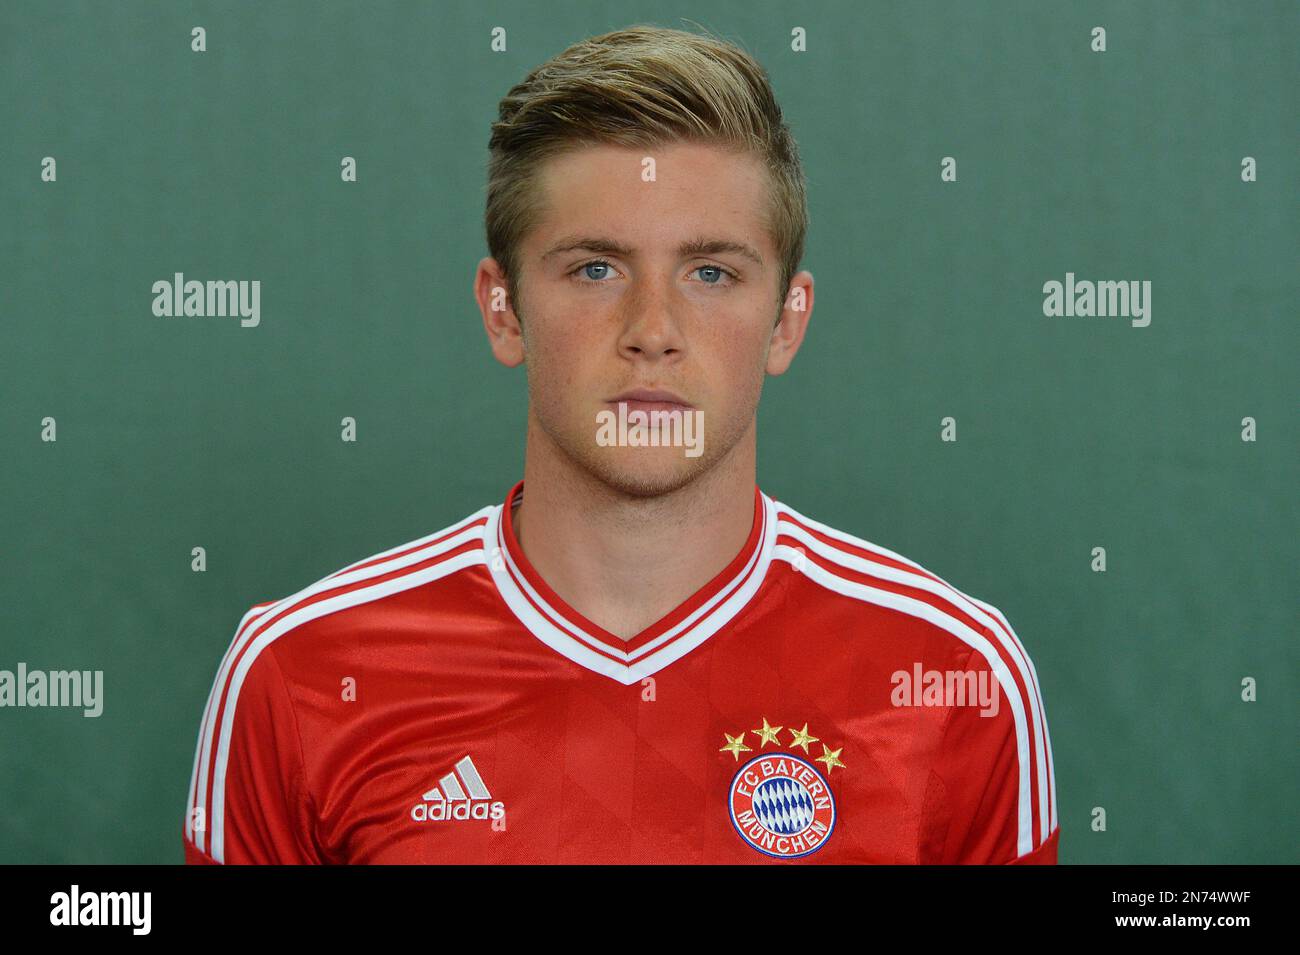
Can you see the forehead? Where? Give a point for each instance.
(697, 189)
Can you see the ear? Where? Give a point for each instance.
(790, 329)
(504, 332)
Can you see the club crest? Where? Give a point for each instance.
(780, 804)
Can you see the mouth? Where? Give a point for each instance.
(647, 399)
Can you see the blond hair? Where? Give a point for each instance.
(643, 86)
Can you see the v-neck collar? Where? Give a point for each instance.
(552, 621)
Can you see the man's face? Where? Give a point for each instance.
(613, 300)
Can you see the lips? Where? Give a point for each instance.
(651, 399)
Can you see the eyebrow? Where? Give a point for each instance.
(701, 246)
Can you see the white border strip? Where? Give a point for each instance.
(686, 636)
(248, 625)
(282, 626)
(950, 594)
(919, 608)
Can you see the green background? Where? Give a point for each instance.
(1073, 432)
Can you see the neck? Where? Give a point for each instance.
(625, 561)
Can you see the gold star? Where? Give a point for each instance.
(735, 745)
(830, 759)
(767, 734)
(802, 738)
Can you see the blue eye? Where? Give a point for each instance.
(594, 265)
(583, 274)
(725, 277)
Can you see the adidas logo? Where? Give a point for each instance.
(450, 800)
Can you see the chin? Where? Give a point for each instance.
(646, 472)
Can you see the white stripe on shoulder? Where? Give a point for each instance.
(1042, 711)
(255, 620)
(478, 515)
(938, 587)
(204, 733)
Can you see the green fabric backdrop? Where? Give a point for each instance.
(1073, 433)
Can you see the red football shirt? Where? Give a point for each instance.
(821, 699)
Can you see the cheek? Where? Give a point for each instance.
(548, 338)
(558, 358)
(738, 355)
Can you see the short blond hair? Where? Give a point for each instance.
(643, 86)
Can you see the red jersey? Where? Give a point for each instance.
(822, 699)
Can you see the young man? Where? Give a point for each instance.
(645, 658)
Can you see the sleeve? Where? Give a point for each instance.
(978, 809)
(256, 803)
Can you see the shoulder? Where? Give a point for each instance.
(352, 594)
(975, 636)
(876, 576)
(281, 645)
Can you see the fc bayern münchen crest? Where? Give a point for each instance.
(782, 806)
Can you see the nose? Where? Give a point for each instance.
(651, 329)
